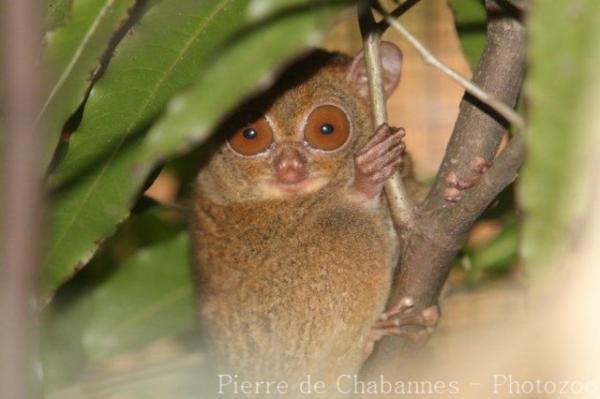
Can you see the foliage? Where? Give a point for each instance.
(136, 290)
(72, 53)
(470, 19)
(56, 12)
(564, 63)
(494, 258)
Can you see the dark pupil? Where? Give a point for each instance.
(326, 128)
(250, 133)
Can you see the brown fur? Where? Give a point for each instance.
(291, 286)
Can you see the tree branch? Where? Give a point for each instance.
(396, 13)
(401, 206)
(441, 226)
(21, 194)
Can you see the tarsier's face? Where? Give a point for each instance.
(302, 135)
(291, 150)
(291, 163)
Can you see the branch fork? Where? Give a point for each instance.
(471, 175)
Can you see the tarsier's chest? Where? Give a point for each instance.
(298, 290)
(333, 249)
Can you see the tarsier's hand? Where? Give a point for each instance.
(404, 320)
(378, 160)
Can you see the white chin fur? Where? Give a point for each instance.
(273, 190)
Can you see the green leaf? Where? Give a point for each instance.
(120, 307)
(191, 116)
(149, 297)
(164, 53)
(71, 55)
(470, 20)
(495, 257)
(562, 82)
(56, 12)
(176, 43)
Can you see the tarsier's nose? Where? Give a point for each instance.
(290, 165)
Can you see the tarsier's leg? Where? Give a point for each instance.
(378, 160)
(404, 320)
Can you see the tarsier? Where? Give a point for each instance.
(294, 245)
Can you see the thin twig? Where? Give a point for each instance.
(505, 111)
(21, 194)
(401, 206)
(373, 62)
(396, 13)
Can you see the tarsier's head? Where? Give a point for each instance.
(300, 135)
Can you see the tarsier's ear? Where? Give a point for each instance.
(391, 62)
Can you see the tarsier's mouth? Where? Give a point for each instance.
(291, 176)
(307, 185)
(293, 187)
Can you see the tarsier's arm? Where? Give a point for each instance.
(374, 164)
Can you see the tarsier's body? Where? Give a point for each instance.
(294, 245)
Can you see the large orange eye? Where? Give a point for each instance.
(327, 128)
(253, 138)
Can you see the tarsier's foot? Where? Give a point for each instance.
(455, 184)
(378, 160)
(406, 321)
